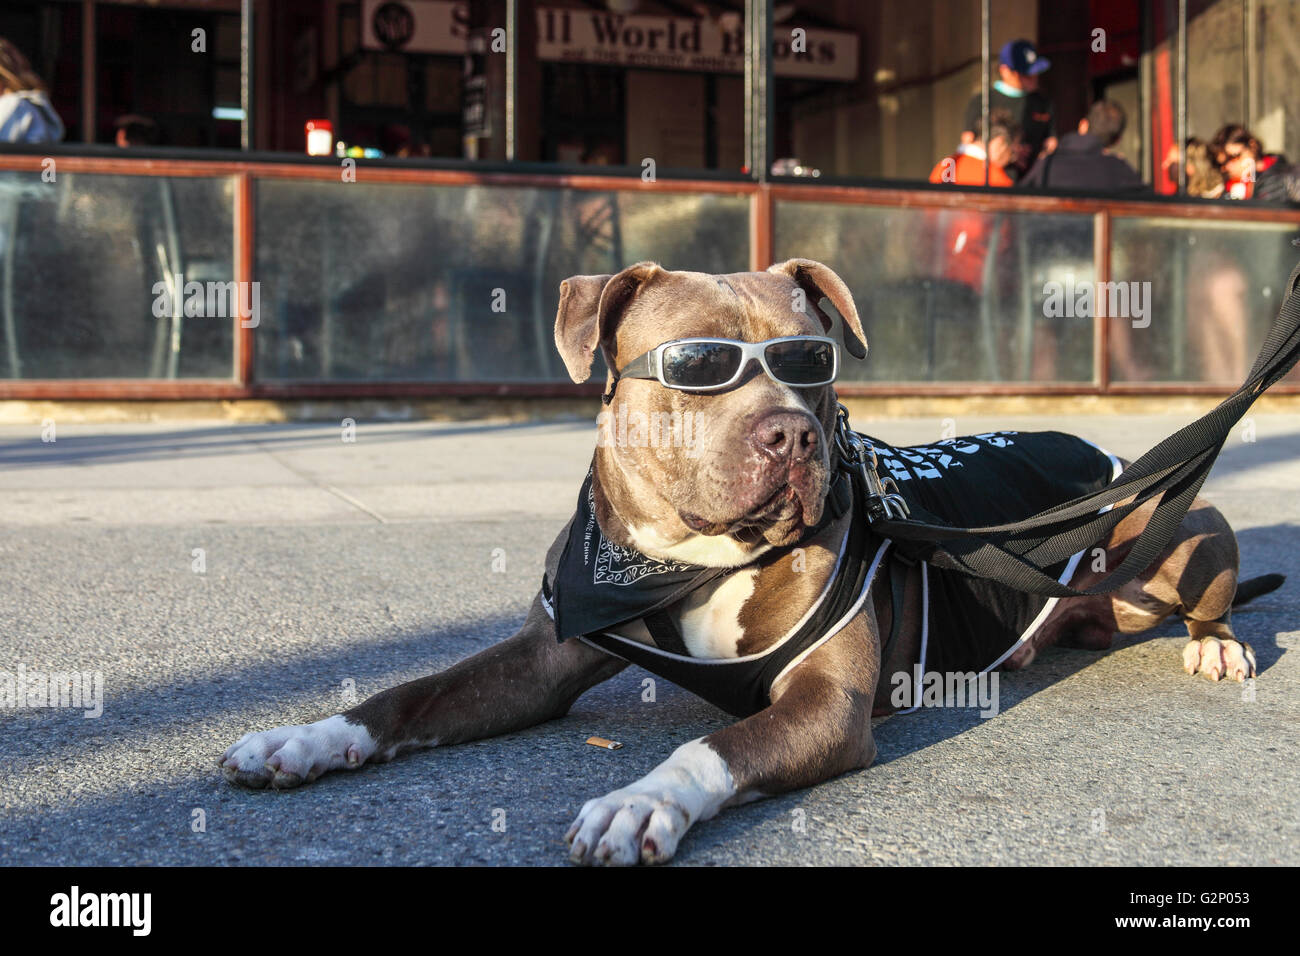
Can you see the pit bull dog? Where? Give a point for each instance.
(723, 561)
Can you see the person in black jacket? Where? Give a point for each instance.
(1279, 181)
(1082, 160)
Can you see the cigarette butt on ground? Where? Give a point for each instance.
(602, 742)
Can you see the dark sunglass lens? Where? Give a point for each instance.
(700, 364)
(802, 363)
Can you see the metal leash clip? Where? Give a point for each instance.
(883, 499)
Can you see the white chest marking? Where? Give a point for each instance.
(710, 617)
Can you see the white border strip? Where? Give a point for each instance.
(925, 637)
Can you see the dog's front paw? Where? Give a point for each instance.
(288, 756)
(1216, 658)
(627, 827)
(644, 822)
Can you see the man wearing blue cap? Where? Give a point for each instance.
(1016, 90)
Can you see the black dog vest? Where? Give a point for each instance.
(972, 481)
(971, 623)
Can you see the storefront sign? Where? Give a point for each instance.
(602, 38)
(415, 26)
(687, 43)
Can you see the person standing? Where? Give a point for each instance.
(26, 115)
(1082, 160)
(1016, 91)
(968, 232)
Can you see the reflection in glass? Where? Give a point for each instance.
(1214, 291)
(456, 283)
(954, 295)
(81, 262)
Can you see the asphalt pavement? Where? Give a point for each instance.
(224, 578)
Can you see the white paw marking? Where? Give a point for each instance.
(287, 756)
(1215, 659)
(644, 822)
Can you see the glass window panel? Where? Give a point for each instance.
(913, 98)
(953, 295)
(1275, 65)
(227, 41)
(451, 283)
(80, 260)
(227, 86)
(1214, 291)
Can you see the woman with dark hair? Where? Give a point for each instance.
(26, 115)
(1236, 151)
(1250, 172)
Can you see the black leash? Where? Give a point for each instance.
(1016, 553)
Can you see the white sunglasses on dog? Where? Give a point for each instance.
(706, 365)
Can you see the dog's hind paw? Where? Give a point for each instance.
(289, 756)
(1216, 658)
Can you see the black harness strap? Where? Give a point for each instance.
(847, 589)
(899, 565)
(742, 686)
(664, 631)
(659, 622)
(1016, 553)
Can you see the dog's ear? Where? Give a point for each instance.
(590, 307)
(576, 331)
(818, 280)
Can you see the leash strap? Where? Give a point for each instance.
(1016, 553)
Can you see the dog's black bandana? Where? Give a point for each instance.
(600, 584)
(976, 480)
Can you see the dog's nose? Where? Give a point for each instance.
(786, 436)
